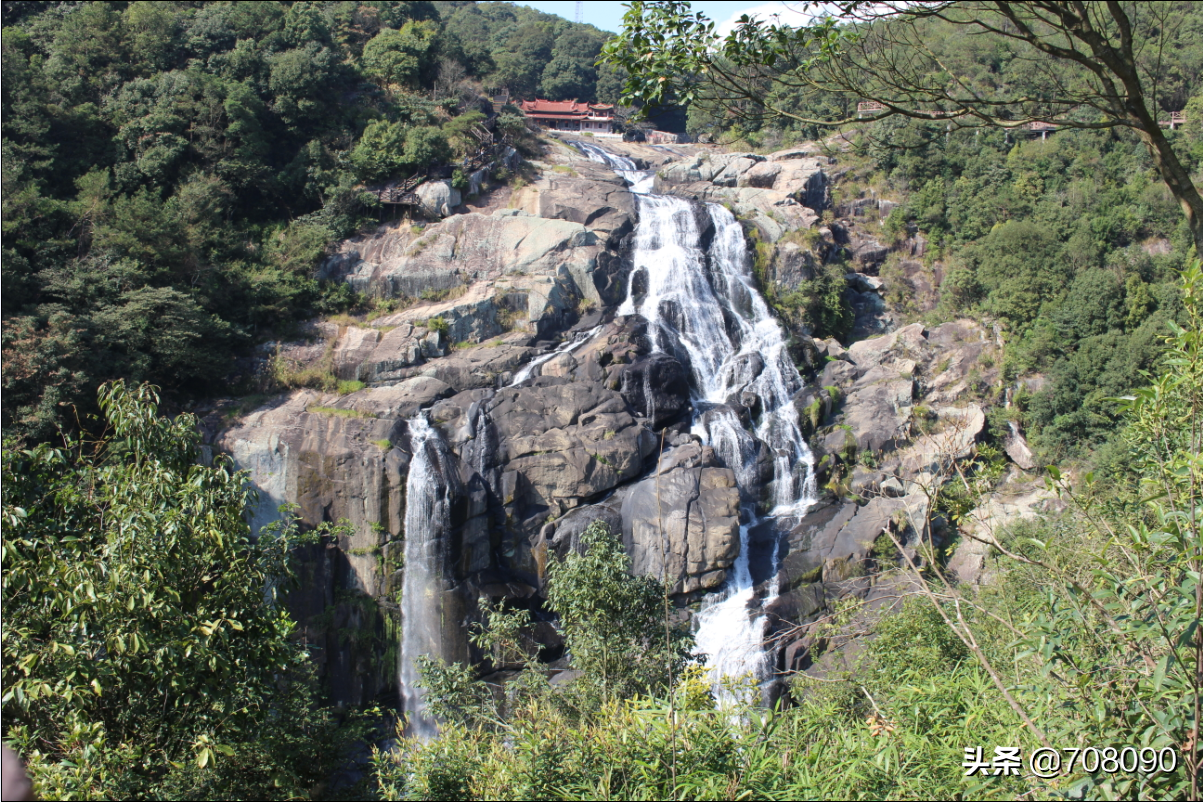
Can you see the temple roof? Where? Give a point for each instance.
(540, 107)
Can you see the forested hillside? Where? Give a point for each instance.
(835, 454)
(173, 171)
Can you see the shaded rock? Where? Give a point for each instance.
(656, 386)
(568, 529)
(803, 151)
(869, 253)
(862, 283)
(684, 523)
(792, 265)
(871, 317)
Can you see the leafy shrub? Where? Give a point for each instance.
(146, 648)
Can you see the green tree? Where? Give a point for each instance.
(571, 74)
(146, 648)
(400, 57)
(614, 623)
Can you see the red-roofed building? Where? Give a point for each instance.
(570, 115)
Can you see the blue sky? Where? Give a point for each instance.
(608, 15)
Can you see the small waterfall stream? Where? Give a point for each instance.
(426, 517)
(703, 308)
(640, 180)
(576, 341)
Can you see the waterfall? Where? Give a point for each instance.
(422, 592)
(640, 180)
(576, 341)
(703, 308)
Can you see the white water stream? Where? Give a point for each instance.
(703, 308)
(426, 515)
(528, 370)
(640, 180)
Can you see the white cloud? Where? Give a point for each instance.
(776, 13)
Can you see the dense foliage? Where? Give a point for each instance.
(1071, 243)
(174, 171)
(1087, 636)
(146, 649)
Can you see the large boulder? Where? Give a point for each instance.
(734, 170)
(791, 265)
(438, 198)
(656, 386)
(878, 413)
(682, 523)
(588, 193)
(563, 442)
(908, 341)
(834, 541)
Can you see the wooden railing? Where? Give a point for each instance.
(489, 146)
(1176, 119)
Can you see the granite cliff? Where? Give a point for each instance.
(554, 410)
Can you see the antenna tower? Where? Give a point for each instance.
(580, 11)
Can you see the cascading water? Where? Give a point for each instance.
(422, 593)
(704, 309)
(640, 180)
(579, 339)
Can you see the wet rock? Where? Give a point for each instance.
(656, 386)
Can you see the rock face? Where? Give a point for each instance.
(531, 264)
(560, 441)
(551, 411)
(682, 524)
(778, 193)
